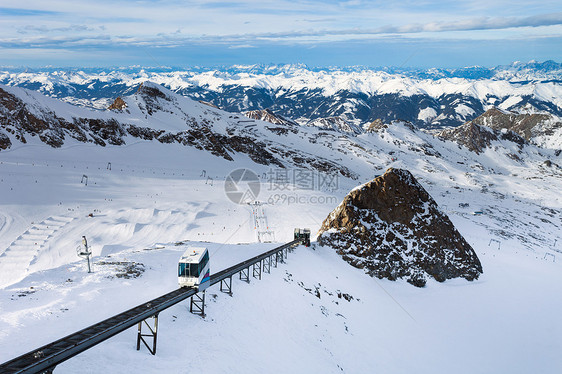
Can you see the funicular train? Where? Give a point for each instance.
(194, 270)
(303, 234)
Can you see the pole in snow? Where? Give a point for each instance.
(84, 252)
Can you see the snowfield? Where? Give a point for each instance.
(316, 313)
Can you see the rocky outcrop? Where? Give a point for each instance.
(335, 124)
(477, 138)
(268, 116)
(24, 121)
(378, 125)
(284, 125)
(540, 129)
(118, 104)
(5, 141)
(392, 228)
(208, 104)
(158, 115)
(374, 126)
(527, 126)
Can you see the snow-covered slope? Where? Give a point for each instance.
(154, 113)
(150, 199)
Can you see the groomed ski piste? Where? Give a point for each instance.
(316, 313)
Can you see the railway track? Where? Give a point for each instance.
(44, 359)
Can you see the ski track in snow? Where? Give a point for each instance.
(17, 258)
(4, 224)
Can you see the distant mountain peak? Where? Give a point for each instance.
(153, 90)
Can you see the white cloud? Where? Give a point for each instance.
(241, 46)
(244, 24)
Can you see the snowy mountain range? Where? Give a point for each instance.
(144, 181)
(433, 98)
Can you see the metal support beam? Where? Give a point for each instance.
(197, 305)
(274, 259)
(280, 257)
(245, 275)
(152, 334)
(267, 265)
(256, 270)
(226, 285)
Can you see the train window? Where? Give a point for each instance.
(193, 270)
(204, 261)
(182, 270)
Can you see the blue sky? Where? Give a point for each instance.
(318, 33)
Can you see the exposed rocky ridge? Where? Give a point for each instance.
(284, 125)
(118, 104)
(18, 119)
(335, 124)
(378, 125)
(392, 228)
(477, 137)
(268, 116)
(375, 125)
(22, 121)
(208, 104)
(529, 126)
(185, 122)
(5, 141)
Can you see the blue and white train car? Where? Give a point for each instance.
(193, 268)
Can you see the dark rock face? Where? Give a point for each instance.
(474, 137)
(268, 116)
(22, 121)
(335, 124)
(495, 124)
(284, 125)
(208, 104)
(376, 125)
(477, 137)
(5, 141)
(118, 104)
(526, 125)
(392, 228)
